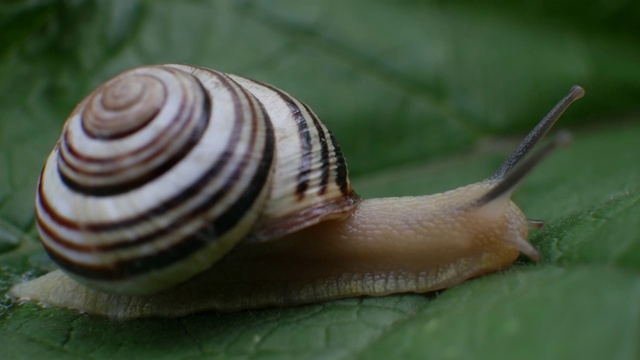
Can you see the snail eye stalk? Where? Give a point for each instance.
(539, 131)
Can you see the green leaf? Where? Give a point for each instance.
(534, 313)
(424, 97)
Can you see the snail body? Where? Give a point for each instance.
(141, 209)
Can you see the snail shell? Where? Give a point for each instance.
(163, 169)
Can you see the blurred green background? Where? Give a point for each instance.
(423, 96)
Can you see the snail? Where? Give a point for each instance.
(163, 170)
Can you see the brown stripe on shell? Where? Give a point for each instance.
(184, 248)
(342, 172)
(324, 150)
(306, 141)
(122, 134)
(100, 130)
(341, 176)
(119, 188)
(161, 208)
(286, 212)
(164, 207)
(213, 231)
(165, 135)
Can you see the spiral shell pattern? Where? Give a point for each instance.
(163, 169)
(140, 207)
